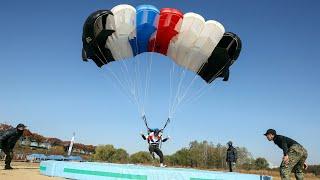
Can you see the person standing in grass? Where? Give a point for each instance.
(294, 155)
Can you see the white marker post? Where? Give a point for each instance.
(71, 144)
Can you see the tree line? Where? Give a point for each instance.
(202, 155)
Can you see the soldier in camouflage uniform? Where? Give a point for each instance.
(294, 155)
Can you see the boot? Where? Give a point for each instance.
(7, 167)
(162, 165)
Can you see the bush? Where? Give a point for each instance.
(141, 157)
(110, 154)
(120, 156)
(104, 153)
(261, 163)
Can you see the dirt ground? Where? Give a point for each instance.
(30, 171)
(23, 171)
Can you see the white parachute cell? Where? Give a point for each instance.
(179, 47)
(208, 39)
(100, 24)
(125, 23)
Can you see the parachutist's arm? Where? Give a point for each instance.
(165, 139)
(143, 137)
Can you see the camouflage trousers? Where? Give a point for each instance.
(297, 156)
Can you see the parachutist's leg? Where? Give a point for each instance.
(160, 154)
(151, 151)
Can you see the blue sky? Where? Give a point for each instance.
(274, 83)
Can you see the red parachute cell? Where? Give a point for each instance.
(169, 24)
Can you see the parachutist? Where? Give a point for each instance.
(155, 139)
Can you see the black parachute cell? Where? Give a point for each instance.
(96, 30)
(223, 56)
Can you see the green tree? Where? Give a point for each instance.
(244, 156)
(220, 156)
(104, 153)
(141, 157)
(261, 163)
(120, 156)
(180, 158)
(315, 169)
(198, 153)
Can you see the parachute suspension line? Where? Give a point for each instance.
(203, 89)
(196, 76)
(129, 80)
(135, 89)
(144, 81)
(122, 87)
(137, 81)
(124, 74)
(176, 101)
(120, 82)
(177, 91)
(170, 97)
(148, 73)
(125, 88)
(177, 98)
(110, 69)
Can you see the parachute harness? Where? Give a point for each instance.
(151, 130)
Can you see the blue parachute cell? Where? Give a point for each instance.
(146, 25)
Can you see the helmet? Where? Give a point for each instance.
(230, 143)
(156, 131)
(21, 126)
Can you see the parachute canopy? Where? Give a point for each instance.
(96, 30)
(188, 39)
